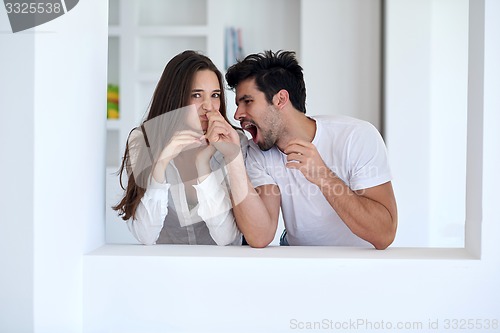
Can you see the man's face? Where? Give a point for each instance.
(256, 116)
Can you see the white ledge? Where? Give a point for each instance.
(291, 252)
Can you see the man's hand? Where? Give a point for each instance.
(370, 213)
(304, 156)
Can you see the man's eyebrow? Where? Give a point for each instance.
(244, 97)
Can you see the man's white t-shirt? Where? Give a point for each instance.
(353, 149)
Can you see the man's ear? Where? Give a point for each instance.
(281, 98)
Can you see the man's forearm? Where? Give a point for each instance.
(367, 218)
(252, 216)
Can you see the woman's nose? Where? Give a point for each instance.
(207, 105)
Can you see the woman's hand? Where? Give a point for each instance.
(203, 162)
(180, 141)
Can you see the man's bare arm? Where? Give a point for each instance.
(371, 213)
(256, 210)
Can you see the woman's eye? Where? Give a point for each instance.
(196, 95)
(216, 95)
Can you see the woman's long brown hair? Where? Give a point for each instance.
(172, 92)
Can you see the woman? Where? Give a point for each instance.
(177, 192)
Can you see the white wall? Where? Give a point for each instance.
(448, 123)
(53, 93)
(426, 118)
(340, 54)
(16, 170)
(70, 68)
(407, 114)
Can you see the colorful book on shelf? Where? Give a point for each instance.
(113, 111)
(233, 45)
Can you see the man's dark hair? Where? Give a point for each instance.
(272, 72)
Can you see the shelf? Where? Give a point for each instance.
(114, 60)
(172, 12)
(154, 52)
(178, 31)
(145, 92)
(114, 31)
(114, 12)
(113, 124)
(112, 148)
(149, 77)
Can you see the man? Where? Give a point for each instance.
(328, 174)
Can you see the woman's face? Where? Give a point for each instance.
(205, 95)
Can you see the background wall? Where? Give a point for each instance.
(426, 118)
(341, 57)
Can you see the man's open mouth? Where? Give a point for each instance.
(250, 128)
